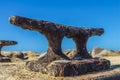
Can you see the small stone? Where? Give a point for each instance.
(5, 59)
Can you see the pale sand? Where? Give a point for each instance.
(18, 71)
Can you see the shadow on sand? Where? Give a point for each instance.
(115, 66)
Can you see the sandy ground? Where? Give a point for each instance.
(18, 71)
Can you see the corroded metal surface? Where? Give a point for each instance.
(55, 33)
(2, 44)
(6, 43)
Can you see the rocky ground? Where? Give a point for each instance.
(16, 69)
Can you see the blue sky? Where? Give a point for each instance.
(81, 13)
